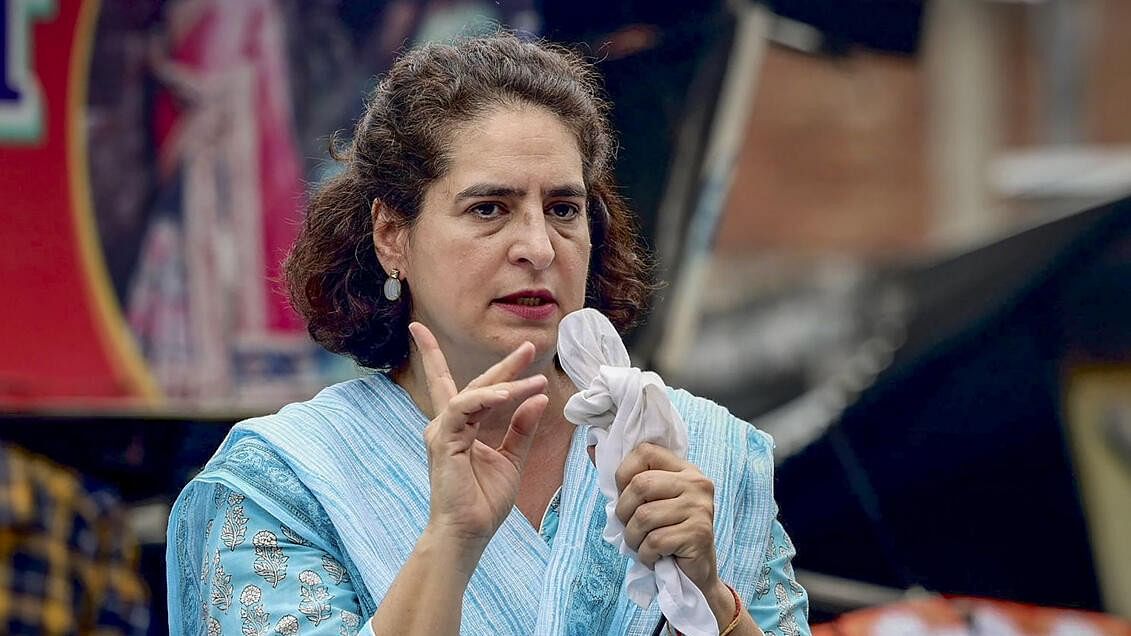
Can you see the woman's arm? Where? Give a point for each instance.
(667, 506)
(473, 486)
(427, 595)
(780, 604)
(731, 616)
(260, 577)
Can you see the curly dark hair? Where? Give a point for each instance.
(400, 147)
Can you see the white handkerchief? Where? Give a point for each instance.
(623, 408)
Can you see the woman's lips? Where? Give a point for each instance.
(529, 304)
(528, 312)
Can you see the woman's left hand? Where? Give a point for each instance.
(668, 508)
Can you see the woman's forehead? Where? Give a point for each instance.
(526, 129)
(521, 149)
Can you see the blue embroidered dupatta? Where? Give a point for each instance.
(350, 465)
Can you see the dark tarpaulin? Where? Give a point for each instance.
(952, 470)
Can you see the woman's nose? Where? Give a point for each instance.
(531, 244)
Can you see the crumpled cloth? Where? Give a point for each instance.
(623, 408)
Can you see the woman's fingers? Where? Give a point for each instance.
(661, 542)
(465, 405)
(657, 498)
(652, 516)
(507, 368)
(441, 387)
(691, 542)
(667, 506)
(520, 435)
(463, 408)
(650, 485)
(647, 457)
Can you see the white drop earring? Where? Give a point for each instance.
(393, 286)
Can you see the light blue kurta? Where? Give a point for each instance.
(266, 578)
(268, 531)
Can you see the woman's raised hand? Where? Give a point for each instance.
(473, 485)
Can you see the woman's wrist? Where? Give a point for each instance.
(449, 551)
(722, 602)
(427, 595)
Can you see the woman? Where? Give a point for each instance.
(448, 494)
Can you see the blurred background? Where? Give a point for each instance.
(894, 235)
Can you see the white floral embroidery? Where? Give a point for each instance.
(214, 628)
(786, 620)
(287, 626)
(315, 597)
(205, 567)
(294, 537)
(351, 624)
(270, 562)
(786, 553)
(762, 588)
(235, 526)
(221, 585)
(254, 619)
(309, 577)
(336, 571)
(251, 595)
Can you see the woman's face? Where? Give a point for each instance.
(500, 251)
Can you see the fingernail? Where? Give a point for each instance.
(503, 393)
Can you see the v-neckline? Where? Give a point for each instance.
(570, 479)
(515, 519)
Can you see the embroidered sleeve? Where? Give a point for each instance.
(780, 605)
(262, 578)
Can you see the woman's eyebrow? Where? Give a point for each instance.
(489, 190)
(481, 190)
(567, 192)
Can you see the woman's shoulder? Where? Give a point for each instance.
(342, 409)
(251, 506)
(710, 420)
(251, 464)
(369, 393)
(357, 429)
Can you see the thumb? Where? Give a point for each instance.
(520, 435)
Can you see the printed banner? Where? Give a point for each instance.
(152, 181)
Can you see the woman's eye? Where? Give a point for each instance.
(487, 210)
(564, 211)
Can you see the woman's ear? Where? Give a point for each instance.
(389, 238)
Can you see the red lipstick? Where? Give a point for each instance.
(529, 304)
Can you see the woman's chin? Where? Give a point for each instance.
(544, 339)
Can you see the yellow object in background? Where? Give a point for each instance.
(1099, 422)
(68, 562)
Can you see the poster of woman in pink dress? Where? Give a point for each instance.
(206, 119)
(202, 300)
